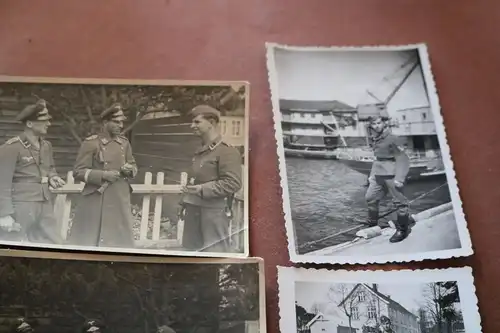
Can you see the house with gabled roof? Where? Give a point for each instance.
(364, 304)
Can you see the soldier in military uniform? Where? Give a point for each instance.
(214, 178)
(385, 325)
(27, 171)
(105, 164)
(387, 176)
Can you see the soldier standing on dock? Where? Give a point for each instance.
(387, 176)
(105, 164)
(27, 171)
(213, 180)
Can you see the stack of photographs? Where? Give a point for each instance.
(367, 177)
(123, 207)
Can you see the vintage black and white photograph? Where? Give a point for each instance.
(425, 301)
(365, 166)
(156, 167)
(50, 292)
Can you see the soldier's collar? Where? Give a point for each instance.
(105, 139)
(212, 145)
(23, 138)
(382, 135)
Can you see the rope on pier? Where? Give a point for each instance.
(364, 225)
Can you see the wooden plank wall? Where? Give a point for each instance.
(64, 144)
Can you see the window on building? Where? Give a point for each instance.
(302, 115)
(361, 296)
(355, 313)
(236, 127)
(424, 115)
(223, 127)
(372, 312)
(313, 115)
(403, 117)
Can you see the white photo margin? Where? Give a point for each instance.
(466, 244)
(149, 82)
(288, 276)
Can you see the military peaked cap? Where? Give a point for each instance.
(385, 320)
(114, 112)
(33, 112)
(205, 110)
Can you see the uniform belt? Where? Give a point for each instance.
(385, 159)
(42, 180)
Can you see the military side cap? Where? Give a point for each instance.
(33, 112)
(114, 112)
(205, 110)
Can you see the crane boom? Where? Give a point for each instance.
(391, 95)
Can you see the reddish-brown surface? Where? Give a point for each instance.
(224, 40)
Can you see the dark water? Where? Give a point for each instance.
(327, 197)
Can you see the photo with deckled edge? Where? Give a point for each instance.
(325, 100)
(129, 166)
(61, 292)
(409, 301)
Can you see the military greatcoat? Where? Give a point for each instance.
(24, 188)
(217, 168)
(103, 216)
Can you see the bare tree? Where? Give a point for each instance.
(439, 305)
(317, 307)
(341, 293)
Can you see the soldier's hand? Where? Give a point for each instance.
(56, 182)
(192, 189)
(398, 183)
(111, 176)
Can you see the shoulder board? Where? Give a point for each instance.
(122, 137)
(92, 137)
(12, 140)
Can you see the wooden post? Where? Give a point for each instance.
(145, 208)
(158, 208)
(180, 223)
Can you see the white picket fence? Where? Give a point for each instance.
(150, 192)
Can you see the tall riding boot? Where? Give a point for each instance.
(401, 229)
(372, 218)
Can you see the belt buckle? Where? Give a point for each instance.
(45, 180)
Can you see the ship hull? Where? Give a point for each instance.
(416, 172)
(311, 154)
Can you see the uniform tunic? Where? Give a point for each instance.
(24, 188)
(391, 164)
(103, 219)
(217, 168)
